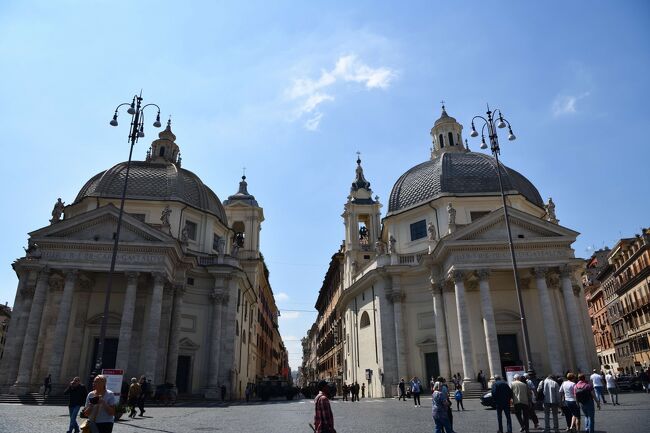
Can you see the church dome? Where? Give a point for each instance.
(458, 174)
(154, 181)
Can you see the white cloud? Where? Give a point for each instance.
(566, 104)
(289, 315)
(282, 296)
(311, 93)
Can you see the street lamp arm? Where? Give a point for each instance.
(122, 104)
(479, 117)
(142, 109)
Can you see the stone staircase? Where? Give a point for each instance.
(35, 398)
(472, 394)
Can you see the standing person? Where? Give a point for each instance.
(643, 377)
(567, 396)
(416, 389)
(402, 389)
(598, 385)
(520, 401)
(356, 391)
(549, 391)
(458, 396)
(133, 396)
(502, 394)
(223, 392)
(144, 391)
(585, 396)
(100, 406)
(344, 390)
(323, 416)
(612, 388)
(450, 413)
(47, 385)
(363, 390)
(440, 408)
(480, 378)
(247, 392)
(76, 393)
(532, 415)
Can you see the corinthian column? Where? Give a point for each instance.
(215, 346)
(550, 327)
(60, 331)
(489, 326)
(575, 322)
(153, 326)
(175, 334)
(464, 329)
(16, 331)
(126, 322)
(441, 331)
(31, 334)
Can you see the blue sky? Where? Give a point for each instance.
(292, 90)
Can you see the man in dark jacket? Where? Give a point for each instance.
(76, 393)
(501, 395)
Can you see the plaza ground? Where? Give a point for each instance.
(369, 415)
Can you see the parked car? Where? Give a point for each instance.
(487, 400)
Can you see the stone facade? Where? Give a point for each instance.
(432, 282)
(184, 298)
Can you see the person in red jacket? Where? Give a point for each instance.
(323, 417)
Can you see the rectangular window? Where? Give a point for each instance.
(138, 216)
(191, 230)
(215, 241)
(418, 230)
(477, 214)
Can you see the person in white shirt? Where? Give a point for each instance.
(551, 391)
(612, 388)
(567, 394)
(599, 387)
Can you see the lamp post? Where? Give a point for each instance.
(493, 122)
(136, 110)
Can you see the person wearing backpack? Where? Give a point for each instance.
(586, 397)
(458, 396)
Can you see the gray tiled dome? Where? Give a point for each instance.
(457, 173)
(154, 181)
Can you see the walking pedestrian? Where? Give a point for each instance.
(532, 415)
(144, 391)
(612, 388)
(363, 390)
(402, 389)
(247, 392)
(323, 416)
(644, 378)
(520, 401)
(450, 413)
(133, 396)
(458, 396)
(223, 392)
(586, 397)
(439, 410)
(567, 396)
(416, 389)
(100, 406)
(501, 395)
(344, 390)
(548, 391)
(598, 385)
(76, 393)
(356, 391)
(47, 385)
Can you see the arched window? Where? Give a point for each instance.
(365, 320)
(162, 151)
(442, 141)
(451, 139)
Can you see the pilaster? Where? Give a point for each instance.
(153, 326)
(60, 331)
(489, 325)
(126, 323)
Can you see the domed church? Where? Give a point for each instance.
(186, 289)
(429, 289)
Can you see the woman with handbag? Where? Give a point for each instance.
(100, 408)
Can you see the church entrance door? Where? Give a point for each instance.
(183, 374)
(110, 353)
(431, 366)
(508, 351)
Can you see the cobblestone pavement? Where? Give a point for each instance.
(381, 416)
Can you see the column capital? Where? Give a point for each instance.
(457, 275)
(217, 297)
(56, 282)
(437, 285)
(178, 288)
(566, 271)
(71, 275)
(159, 278)
(132, 277)
(28, 289)
(483, 274)
(540, 271)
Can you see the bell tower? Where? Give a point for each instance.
(245, 216)
(446, 135)
(362, 218)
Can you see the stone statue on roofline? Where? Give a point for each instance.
(550, 211)
(57, 212)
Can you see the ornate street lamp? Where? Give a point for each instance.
(494, 121)
(136, 110)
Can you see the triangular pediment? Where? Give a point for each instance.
(187, 344)
(492, 227)
(98, 225)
